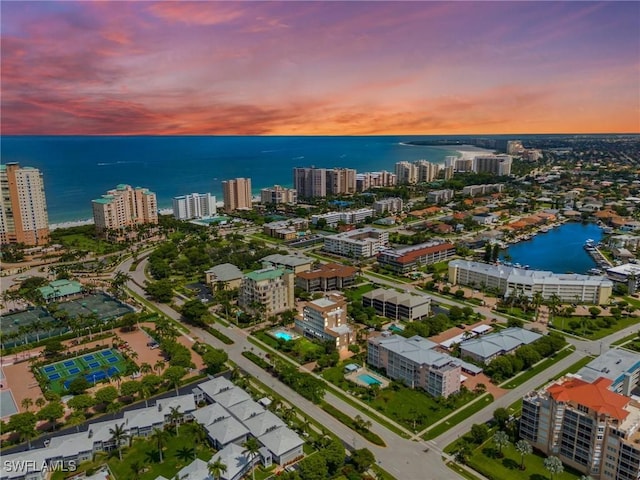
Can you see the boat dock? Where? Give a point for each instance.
(592, 249)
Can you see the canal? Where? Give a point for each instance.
(561, 250)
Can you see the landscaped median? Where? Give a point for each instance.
(537, 368)
(358, 424)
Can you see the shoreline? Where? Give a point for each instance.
(465, 152)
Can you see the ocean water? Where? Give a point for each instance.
(78, 169)
(561, 250)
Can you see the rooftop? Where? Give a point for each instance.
(596, 396)
(266, 274)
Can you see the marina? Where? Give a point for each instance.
(560, 250)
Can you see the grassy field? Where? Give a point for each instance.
(458, 417)
(144, 452)
(591, 330)
(485, 460)
(355, 294)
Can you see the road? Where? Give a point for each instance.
(405, 459)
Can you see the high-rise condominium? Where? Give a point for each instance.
(237, 194)
(312, 182)
(495, 164)
(195, 205)
(278, 195)
(23, 206)
(416, 172)
(124, 207)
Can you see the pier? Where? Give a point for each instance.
(598, 257)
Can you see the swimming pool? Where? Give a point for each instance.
(369, 380)
(283, 336)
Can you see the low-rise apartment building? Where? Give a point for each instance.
(391, 205)
(519, 281)
(408, 259)
(329, 276)
(398, 306)
(416, 363)
(286, 229)
(226, 276)
(348, 217)
(586, 425)
(268, 291)
(359, 243)
(326, 319)
(295, 263)
(473, 190)
(485, 348)
(440, 196)
(278, 195)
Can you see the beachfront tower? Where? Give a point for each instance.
(124, 208)
(23, 206)
(237, 194)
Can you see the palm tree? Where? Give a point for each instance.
(175, 415)
(501, 439)
(159, 436)
(136, 469)
(186, 453)
(40, 402)
(145, 393)
(26, 403)
(251, 448)
(217, 468)
(553, 465)
(537, 301)
(159, 366)
(145, 368)
(523, 448)
(554, 302)
(118, 434)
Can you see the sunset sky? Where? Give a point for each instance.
(306, 68)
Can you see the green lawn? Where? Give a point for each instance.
(591, 330)
(355, 294)
(485, 460)
(416, 409)
(459, 416)
(144, 452)
(628, 338)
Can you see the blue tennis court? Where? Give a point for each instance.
(102, 366)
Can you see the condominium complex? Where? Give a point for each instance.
(268, 291)
(23, 206)
(416, 172)
(397, 306)
(195, 205)
(519, 281)
(296, 263)
(440, 196)
(278, 195)
(473, 190)
(312, 182)
(349, 217)
(404, 260)
(286, 229)
(330, 276)
(359, 243)
(485, 348)
(326, 319)
(494, 164)
(368, 180)
(125, 207)
(391, 205)
(586, 425)
(237, 194)
(416, 363)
